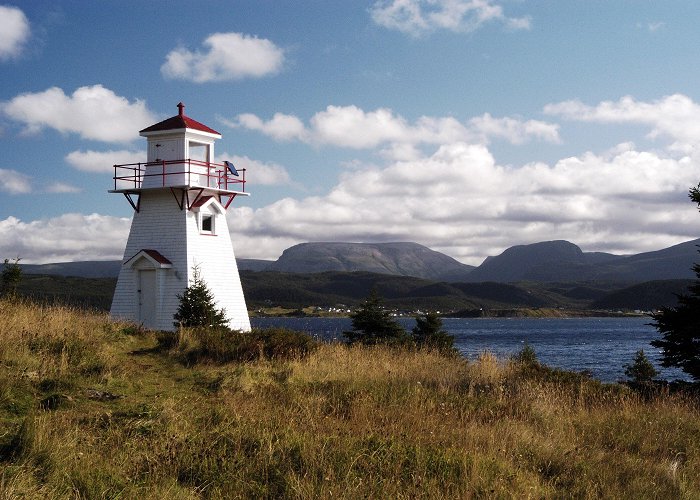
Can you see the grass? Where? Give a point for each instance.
(91, 408)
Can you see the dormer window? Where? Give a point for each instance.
(206, 210)
(206, 223)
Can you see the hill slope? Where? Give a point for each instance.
(562, 261)
(402, 259)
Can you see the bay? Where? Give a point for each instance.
(599, 346)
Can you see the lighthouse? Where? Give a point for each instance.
(180, 197)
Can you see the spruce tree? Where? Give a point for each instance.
(641, 370)
(197, 306)
(10, 278)
(372, 324)
(429, 333)
(680, 325)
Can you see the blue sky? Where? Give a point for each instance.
(465, 125)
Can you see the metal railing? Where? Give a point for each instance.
(180, 173)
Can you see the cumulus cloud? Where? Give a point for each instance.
(226, 56)
(417, 17)
(352, 127)
(92, 112)
(676, 116)
(624, 201)
(260, 173)
(102, 161)
(69, 237)
(281, 127)
(14, 33)
(14, 182)
(514, 130)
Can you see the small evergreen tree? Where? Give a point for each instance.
(372, 324)
(641, 370)
(11, 278)
(680, 326)
(197, 306)
(526, 356)
(429, 333)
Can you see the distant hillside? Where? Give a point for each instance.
(644, 296)
(84, 269)
(253, 264)
(545, 262)
(553, 261)
(328, 289)
(402, 259)
(331, 289)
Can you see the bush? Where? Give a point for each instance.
(197, 306)
(222, 345)
(526, 356)
(372, 324)
(10, 278)
(641, 370)
(428, 333)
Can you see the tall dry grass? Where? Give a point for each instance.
(346, 422)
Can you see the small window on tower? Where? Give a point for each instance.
(207, 223)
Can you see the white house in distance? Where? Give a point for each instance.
(179, 197)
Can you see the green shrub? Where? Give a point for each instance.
(526, 356)
(372, 325)
(428, 333)
(222, 345)
(641, 370)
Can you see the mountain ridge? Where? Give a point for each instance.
(549, 261)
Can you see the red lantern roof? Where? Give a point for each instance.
(179, 121)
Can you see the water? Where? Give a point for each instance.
(601, 346)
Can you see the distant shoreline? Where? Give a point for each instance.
(310, 312)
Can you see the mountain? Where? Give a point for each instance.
(253, 264)
(547, 262)
(401, 259)
(85, 269)
(562, 261)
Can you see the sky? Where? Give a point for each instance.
(467, 126)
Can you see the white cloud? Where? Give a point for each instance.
(259, 173)
(352, 127)
(625, 201)
(102, 161)
(61, 188)
(14, 182)
(227, 56)
(417, 17)
(69, 237)
(93, 112)
(14, 32)
(676, 116)
(514, 130)
(281, 127)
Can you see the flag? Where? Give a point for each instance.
(231, 168)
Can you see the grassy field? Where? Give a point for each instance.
(95, 409)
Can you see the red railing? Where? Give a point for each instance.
(180, 173)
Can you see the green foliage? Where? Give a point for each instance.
(680, 326)
(372, 324)
(641, 370)
(221, 345)
(11, 277)
(526, 356)
(197, 306)
(429, 333)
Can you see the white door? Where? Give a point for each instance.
(147, 298)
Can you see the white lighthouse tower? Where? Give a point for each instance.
(180, 197)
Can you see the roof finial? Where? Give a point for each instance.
(181, 108)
